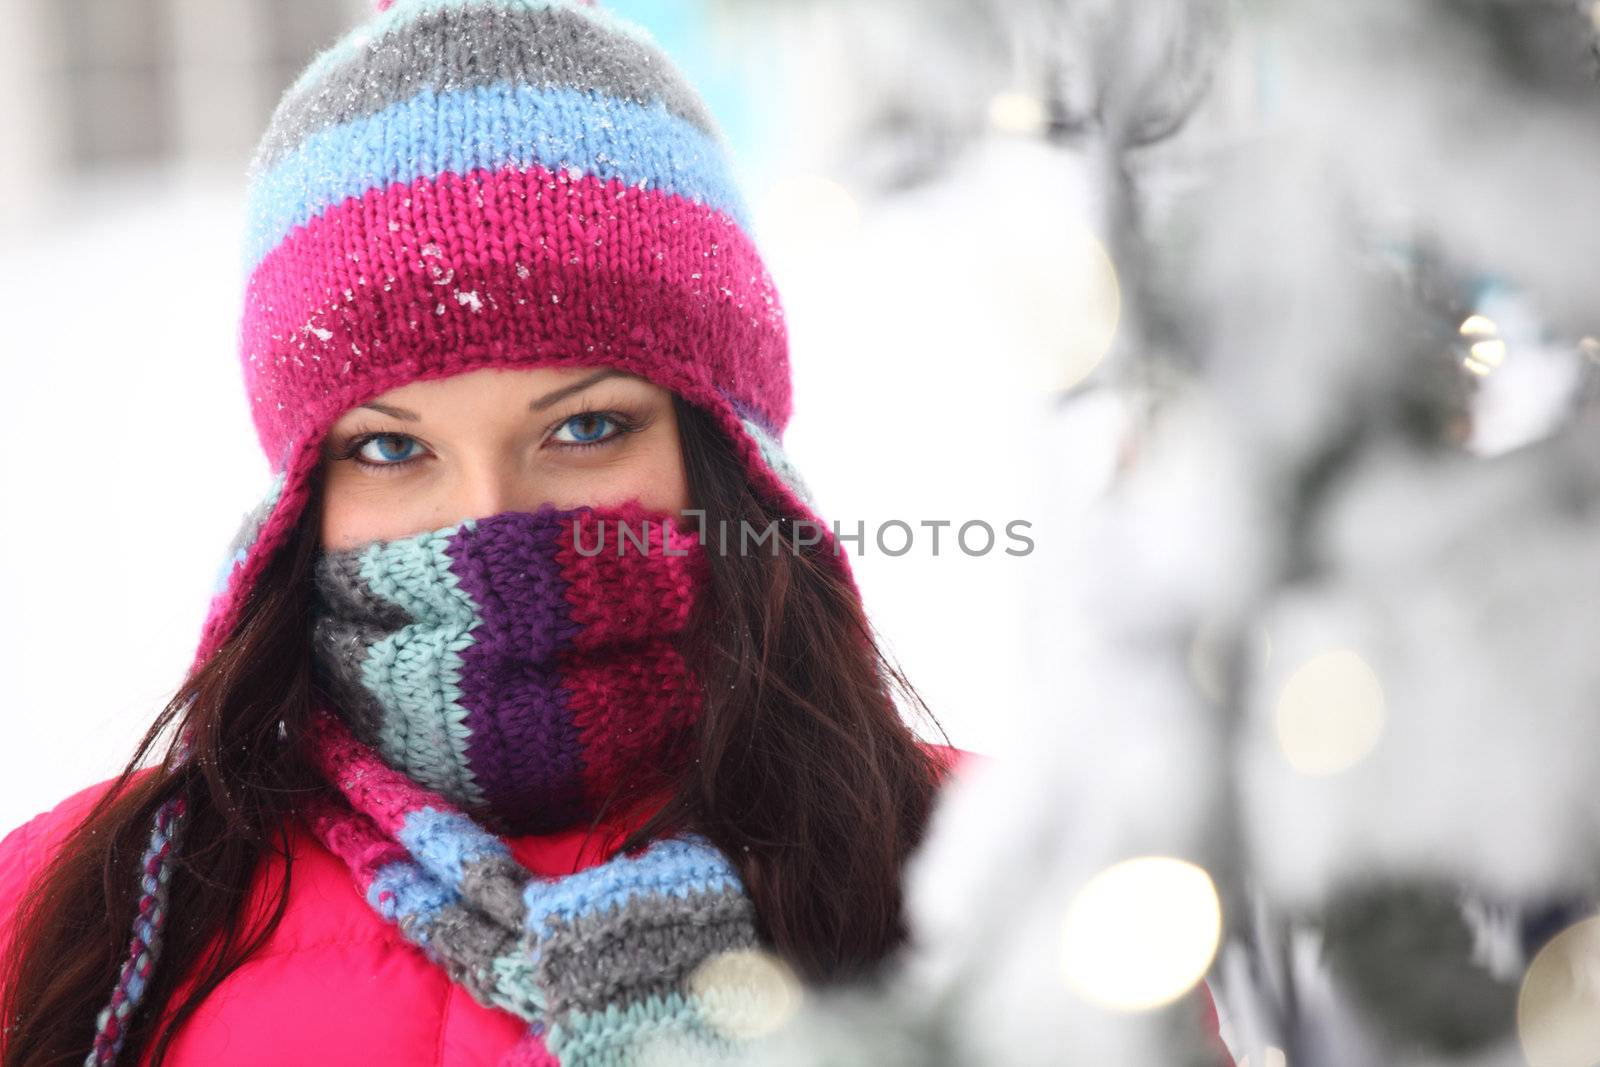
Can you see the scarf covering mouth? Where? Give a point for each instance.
(525, 665)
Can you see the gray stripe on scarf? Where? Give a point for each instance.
(471, 47)
(340, 647)
(473, 936)
(647, 946)
(494, 886)
(337, 580)
(468, 944)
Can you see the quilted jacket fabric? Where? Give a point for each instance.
(335, 984)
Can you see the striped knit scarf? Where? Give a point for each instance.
(506, 675)
(649, 958)
(621, 963)
(526, 665)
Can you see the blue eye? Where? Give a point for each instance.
(391, 452)
(387, 455)
(588, 427)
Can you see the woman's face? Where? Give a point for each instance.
(433, 453)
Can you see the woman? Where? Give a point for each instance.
(499, 291)
(488, 752)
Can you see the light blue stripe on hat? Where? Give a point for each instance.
(778, 460)
(490, 127)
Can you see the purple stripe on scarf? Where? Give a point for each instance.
(523, 748)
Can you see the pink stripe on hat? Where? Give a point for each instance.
(512, 268)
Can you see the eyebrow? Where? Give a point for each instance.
(576, 387)
(538, 405)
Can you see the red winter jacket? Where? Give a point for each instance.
(335, 984)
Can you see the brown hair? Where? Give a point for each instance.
(805, 776)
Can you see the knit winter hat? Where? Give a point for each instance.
(460, 184)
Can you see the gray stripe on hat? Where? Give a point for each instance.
(470, 47)
(647, 946)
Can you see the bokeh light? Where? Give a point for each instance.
(1558, 1008)
(746, 993)
(1485, 356)
(1017, 112)
(1487, 352)
(1141, 933)
(1330, 713)
(1079, 305)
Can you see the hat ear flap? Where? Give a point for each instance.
(777, 460)
(249, 531)
(262, 531)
